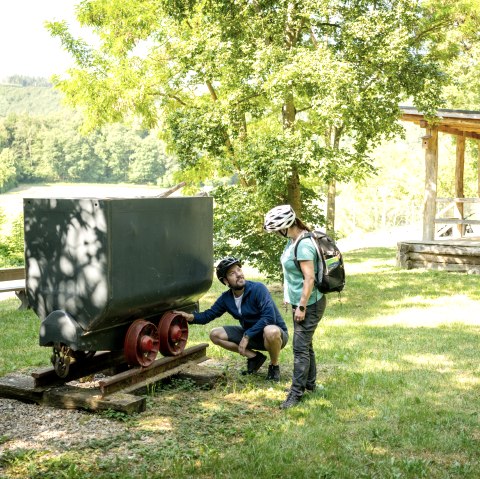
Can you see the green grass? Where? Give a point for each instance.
(400, 395)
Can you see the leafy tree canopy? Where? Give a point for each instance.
(286, 97)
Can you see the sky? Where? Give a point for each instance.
(26, 47)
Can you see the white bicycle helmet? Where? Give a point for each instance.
(279, 218)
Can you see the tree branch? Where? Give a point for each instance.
(213, 94)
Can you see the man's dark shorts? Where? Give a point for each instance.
(235, 335)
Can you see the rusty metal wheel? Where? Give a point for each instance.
(61, 357)
(173, 334)
(141, 343)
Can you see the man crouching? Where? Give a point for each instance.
(261, 325)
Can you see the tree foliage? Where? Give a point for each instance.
(286, 97)
(51, 148)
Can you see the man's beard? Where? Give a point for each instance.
(238, 288)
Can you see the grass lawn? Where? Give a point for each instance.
(399, 397)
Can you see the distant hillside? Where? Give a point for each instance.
(34, 100)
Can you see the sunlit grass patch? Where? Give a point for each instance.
(399, 394)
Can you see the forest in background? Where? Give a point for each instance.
(266, 102)
(41, 141)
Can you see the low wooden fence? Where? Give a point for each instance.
(13, 280)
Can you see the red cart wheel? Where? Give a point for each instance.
(173, 334)
(141, 343)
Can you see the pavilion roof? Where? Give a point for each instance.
(454, 122)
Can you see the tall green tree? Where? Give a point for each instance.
(287, 97)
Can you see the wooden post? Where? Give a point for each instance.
(459, 191)
(430, 142)
(478, 168)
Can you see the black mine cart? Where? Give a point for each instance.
(106, 274)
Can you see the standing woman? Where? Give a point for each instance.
(308, 304)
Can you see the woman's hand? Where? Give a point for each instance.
(299, 315)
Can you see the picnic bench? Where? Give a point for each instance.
(13, 280)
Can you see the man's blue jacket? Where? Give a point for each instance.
(258, 309)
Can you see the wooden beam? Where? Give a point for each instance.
(458, 200)
(457, 131)
(461, 124)
(449, 126)
(459, 184)
(431, 173)
(452, 221)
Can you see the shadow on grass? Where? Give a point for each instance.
(400, 397)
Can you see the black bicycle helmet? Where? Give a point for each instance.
(223, 266)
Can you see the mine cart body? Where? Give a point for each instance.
(93, 266)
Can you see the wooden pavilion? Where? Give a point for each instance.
(449, 241)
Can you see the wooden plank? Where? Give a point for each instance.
(12, 285)
(457, 131)
(451, 221)
(79, 369)
(18, 287)
(442, 249)
(10, 274)
(445, 259)
(139, 377)
(458, 200)
(68, 396)
(457, 268)
(21, 387)
(71, 397)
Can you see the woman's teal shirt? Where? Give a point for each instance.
(293, 279)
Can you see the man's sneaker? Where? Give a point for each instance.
(255, 363)
(291, 401)
(273, 373)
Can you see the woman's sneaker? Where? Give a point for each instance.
(255, 363)
(273, 373)
(291, 401)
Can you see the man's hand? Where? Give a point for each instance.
(187, 316)
(242, 345)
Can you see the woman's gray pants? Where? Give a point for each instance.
(304, 365)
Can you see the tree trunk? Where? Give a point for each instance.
(332, 186)
(332, 191)
(293, 192)
(293, 182)
(289, 111)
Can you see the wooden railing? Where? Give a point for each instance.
(458, 217)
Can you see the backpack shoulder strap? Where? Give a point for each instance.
(306, 235)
